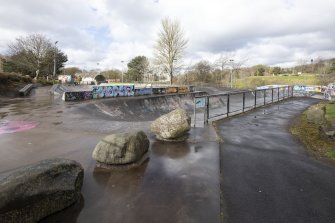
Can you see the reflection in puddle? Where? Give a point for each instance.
(120, 182)
(173, 150)
(69, 214)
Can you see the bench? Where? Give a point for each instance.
(26, 89)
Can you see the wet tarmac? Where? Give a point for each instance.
(179, 182)
(267, 175)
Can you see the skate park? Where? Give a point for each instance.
(190, 181)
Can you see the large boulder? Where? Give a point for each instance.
(316, 114)
(38, 190)
(121, 149)
(171, 126)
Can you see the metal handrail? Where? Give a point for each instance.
(287, 92)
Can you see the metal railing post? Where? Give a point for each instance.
(228, 104)
(255, 98)
(264, 94)
(278, 94)
(271, 95)
(207, 109)
(243, 102)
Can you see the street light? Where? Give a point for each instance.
(54, 74)
(122, 61)
(231, 73)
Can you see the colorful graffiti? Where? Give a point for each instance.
(159, 90)
(113, 91)
(106, 91)
(77, 95)
(183, 89)
(308, 88)
(16, 126)
(171, 90)
(143, 91)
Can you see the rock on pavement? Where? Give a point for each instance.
(172, 125)
(31, 193)
(121, 149)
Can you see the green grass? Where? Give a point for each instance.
(330, 111)
(255, 81)
(309, 135)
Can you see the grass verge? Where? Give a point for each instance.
(308, 134)
(255, 81)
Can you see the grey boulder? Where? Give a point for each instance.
(172, 125)
(121, 149)
(31, 193)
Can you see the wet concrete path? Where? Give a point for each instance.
(267, 175)
(179, 183)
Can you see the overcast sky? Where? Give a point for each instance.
(106, 32)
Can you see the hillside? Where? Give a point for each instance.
(254, 81)
(11, 83)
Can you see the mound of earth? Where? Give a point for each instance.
(11, 83)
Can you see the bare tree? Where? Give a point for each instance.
(35, 53)
(170, 46)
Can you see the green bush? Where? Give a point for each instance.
(45, 82)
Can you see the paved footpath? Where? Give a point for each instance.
(266, 174)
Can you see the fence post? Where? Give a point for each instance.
(278, 93)
(228, 104)
(255, 98)
(264, 94)
(207, 109)
(243, 101)
(194, 114)
(271, 95)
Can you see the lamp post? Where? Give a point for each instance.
(122, 61)
(54, 74)
(231, 73)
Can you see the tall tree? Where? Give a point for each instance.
(137, 68)
(34, 54)
(114, 74)
(170, 46)
(203, 70)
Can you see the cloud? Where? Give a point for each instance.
(106, 32)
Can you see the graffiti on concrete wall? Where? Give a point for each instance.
(171, 90)
(106, 91)
(113, 91)
(308, 88)
(159, 90)
(183, 89)
(143, 91)
(77, 95)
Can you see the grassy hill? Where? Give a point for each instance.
(254, 81)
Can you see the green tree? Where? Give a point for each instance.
(276, 70)
(170, 46)
(114, 74)
(137, 68)
(259, 70)
(34, 55)
(71, 70)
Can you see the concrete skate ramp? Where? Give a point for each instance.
(138, 108)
